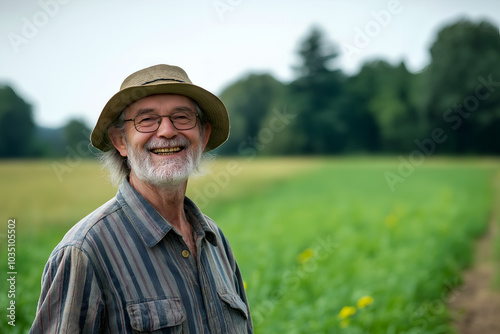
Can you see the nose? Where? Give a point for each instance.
(166, 128)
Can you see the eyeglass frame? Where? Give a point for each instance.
(196, 115)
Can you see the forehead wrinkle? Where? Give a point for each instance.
(182, 108)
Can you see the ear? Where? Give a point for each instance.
(118, 139)
(207, 129)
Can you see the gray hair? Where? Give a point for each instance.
(118, 166)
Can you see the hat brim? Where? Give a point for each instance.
(213, 109)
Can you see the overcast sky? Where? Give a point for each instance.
(68, 57)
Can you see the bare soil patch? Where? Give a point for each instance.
(476, 305)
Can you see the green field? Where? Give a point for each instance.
(324, 245)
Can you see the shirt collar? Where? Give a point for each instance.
(148, 222)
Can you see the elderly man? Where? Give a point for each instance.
(148, 260)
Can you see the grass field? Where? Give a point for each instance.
(324, 245)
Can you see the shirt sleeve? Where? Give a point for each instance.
(71, 299)
(238, 279)
(241, 291)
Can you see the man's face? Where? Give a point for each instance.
(166, 156)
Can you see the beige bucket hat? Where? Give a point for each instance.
(161, 79)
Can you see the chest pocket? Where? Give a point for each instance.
(156, 315)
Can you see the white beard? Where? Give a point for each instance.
(167, 173)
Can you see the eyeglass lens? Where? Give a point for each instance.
(181, 120)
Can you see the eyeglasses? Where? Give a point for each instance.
(181, 120)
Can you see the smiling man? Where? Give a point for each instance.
(148, 260)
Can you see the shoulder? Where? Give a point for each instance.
(211, 223)
(78, 235)
(207, 223)
(222, 241)
(216, 230)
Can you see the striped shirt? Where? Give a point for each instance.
(125, 269)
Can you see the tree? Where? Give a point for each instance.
(316, 55)
(249, 101)
(462, 83)
(76, 136)
(385, 91)
(317, 127)
(16, 125)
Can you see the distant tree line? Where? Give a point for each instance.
(450, 107)
(21, 138)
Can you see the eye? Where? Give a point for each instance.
(144, 119)
(180, 116)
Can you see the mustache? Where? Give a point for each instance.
(162, 142)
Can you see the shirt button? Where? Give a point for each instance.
(185, 253)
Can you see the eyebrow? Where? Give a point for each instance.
(145, 111)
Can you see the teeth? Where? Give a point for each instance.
(166, 150)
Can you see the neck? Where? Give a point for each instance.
(168, 201)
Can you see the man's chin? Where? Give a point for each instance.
(170, 173)
(167, 179)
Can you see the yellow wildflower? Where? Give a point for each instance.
(245, 285)
(364, 301)
(346, 312)
(305, 256)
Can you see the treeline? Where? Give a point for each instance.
(450, 107)
(20, 137)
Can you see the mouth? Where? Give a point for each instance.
(167, 150)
